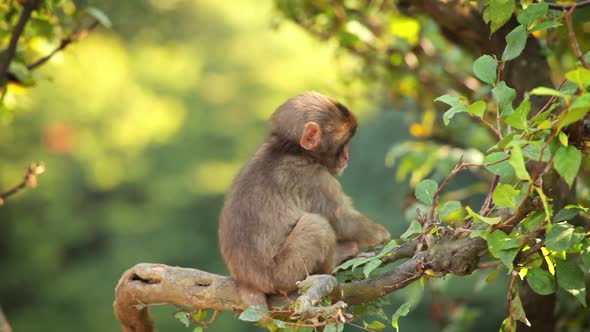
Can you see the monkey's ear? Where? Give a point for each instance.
(312, 134)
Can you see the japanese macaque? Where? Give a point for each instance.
(286, 215)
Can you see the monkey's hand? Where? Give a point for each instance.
(375, 235)
(382, 234)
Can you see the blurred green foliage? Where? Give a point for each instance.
(143, 126)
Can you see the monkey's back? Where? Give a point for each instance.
(266, 200)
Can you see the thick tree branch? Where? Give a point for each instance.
(152, 284)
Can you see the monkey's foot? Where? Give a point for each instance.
(314, 289)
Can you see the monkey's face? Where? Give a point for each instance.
(341, 159)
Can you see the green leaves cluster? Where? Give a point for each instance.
(52, 23)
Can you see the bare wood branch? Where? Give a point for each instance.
(29, 180)
(4, 325)
(572, 36)
(568, 6)
(64, 43)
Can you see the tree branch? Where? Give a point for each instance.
(153, 284)
(28, 8)
(568, 6)
(572, 36)
(64, 43)
(4, 325)
(29, 180)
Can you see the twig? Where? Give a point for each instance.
(30, 180)
(549, 102)
(64, 43)
(567, 6)
(488, 264)
(572, 35)
(536, 247)
(488, 200)
(28, 8)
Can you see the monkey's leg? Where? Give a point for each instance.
(310, 248)
(346, 249)
(251, 296)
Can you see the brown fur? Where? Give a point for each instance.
(286, 214)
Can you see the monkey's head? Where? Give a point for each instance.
(316, 125)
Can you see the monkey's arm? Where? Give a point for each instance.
(353, 225)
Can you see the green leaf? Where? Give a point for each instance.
(518, 119)
(533, 151)
(534, 220)
(580, 76)
(402, 311)
(517, 162)
(449, 100)
(515, 43)
(425, 191)
(504, 95)
(517, 311)
(571, 278)
(330, 328)
(485, 68)
(505, 195)
(498, 12)
(182, 317)
(563, 236)
(100, 16)
(508, 325)
(372, 265)
(531, 13)
(499, 240)
(448, 115)
(22, 73)
(252, 314)
(200, 315)
(374, 325)
(487, 220)
(578, 109)
(563, 139)
(504, 142)
(502, 168)
(414, 228)
(280, 324)
(541, 281)
(545, 25)
(478, 108)
(568, 213)
(448, 208)
(567, 163)
(198, 329)
(545, 91)
(503, 247)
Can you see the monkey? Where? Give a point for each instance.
(286, 215)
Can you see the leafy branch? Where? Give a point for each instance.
(28, 7)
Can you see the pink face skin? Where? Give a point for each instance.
(343, 160)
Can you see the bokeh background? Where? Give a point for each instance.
(142, 128)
